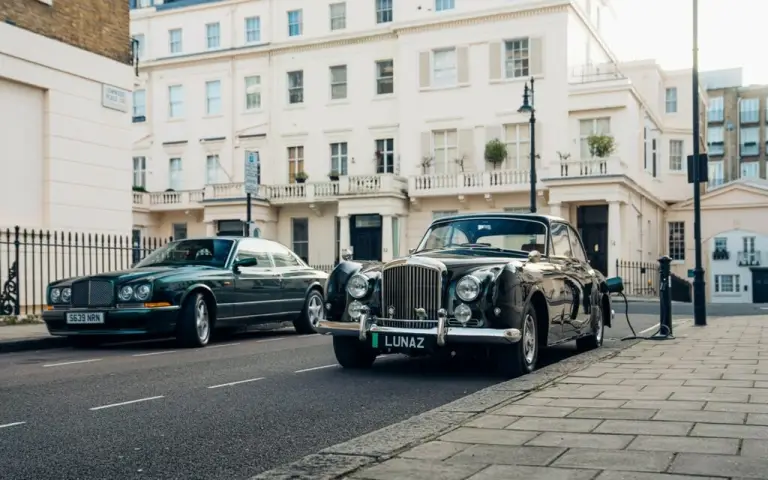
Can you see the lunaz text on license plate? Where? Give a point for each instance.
(397, 341)
(85, 318)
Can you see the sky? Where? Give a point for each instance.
(730, 32)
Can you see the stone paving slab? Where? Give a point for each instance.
(690, 408)
(32, 336)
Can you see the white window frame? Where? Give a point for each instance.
(670, 103)
(734, 282)
(175, 173)
(443, 5)
(749, 169)
(444, 68)
(444, 157)
(296, 78)
(337, 13)
(339, 156)
(521, 143)
(676, 240)
(715, 173)
(297, 159)
(175, 105)
(387, 155)
(715, 135)
(213, 35)
(175, 45)
(211, 169)
(339, 89)
(298, 25)
(749, 110)
(252, 92)
(140, 172)
(594, 130)
(715, 109)
(676, 149)
(252, 29)
(382, 78)
(516, 57)
(300, 245)
(213, 97)
(384, 11)
(749, 135)
(139, 103)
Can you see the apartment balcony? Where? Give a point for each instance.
(749, 259)
(591, 73)
(721, 255)
(167, 201)
(473, 183)
(592, 167)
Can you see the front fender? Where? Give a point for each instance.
(193, 287)
(336, 287)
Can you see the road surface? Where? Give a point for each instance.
(243, 405)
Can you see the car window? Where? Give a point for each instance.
(560, 242)
(249, 249)
(281, 255)
(577, 249)
(504, 233)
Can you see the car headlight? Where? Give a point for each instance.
(66, 294)
(142, 292)
(55, 295)
(355, 310)
(126, 293)
(357, 287)
(462, 313)
(468, 288)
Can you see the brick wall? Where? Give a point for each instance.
(98, 26)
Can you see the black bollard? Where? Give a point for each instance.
(665, 297)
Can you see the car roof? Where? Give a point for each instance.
(526, 216)
(227, 237)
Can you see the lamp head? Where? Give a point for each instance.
(526, 106)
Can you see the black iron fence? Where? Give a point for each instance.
(31, 259)
(641, 279)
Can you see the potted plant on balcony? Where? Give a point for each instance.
(600, 145)
(334, 175)
(301, 177)
(139, 189)
(495, 152)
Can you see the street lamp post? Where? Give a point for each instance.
(528, 107)
(699, 301)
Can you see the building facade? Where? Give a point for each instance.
(68, 137)
(362, 121)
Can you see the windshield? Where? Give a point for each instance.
(209, 251)
(501, 233)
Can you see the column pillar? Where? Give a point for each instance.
(555, 209)
(614, 237)
(386, 238)
(210, 229)
(344, 240)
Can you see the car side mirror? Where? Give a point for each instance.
(246, 262)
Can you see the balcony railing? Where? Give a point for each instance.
(749, 259)
(721, 255)
(592, 167)
(596, 73)
(438, 184)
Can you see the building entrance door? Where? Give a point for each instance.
(593, 228)
(365, 237)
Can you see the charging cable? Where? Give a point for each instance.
(656, 335)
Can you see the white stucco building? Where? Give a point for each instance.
(399, 97)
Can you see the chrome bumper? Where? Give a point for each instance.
(442, 333)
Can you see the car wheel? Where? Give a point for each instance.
(352, 353)
(194, 322)
(522, 357)
(310, 316)
(595, 340)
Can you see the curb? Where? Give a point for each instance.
(344, 458)
(26, 344)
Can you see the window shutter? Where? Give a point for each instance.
(426, 144)
(494, 60)
(462, 64)
(536, 55)
(424, 70)
(467, 148)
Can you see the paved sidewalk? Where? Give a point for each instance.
(693, 408)
(31, 336)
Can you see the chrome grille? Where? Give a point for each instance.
(92, 293)
(408, 287)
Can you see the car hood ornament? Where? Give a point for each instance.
(421, 313)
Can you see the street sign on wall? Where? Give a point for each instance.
(252, 172)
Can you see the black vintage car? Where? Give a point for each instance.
(509, 283)
(189, 287)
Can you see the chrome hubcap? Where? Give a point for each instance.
(529, 339)
(315, 310)
(201, 319)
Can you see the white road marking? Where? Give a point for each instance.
(127, 403)
(224, 345)
(12, 424)
(314, 368)
(270, 339)
(153, 353)
(75, 362)
(237, 383)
